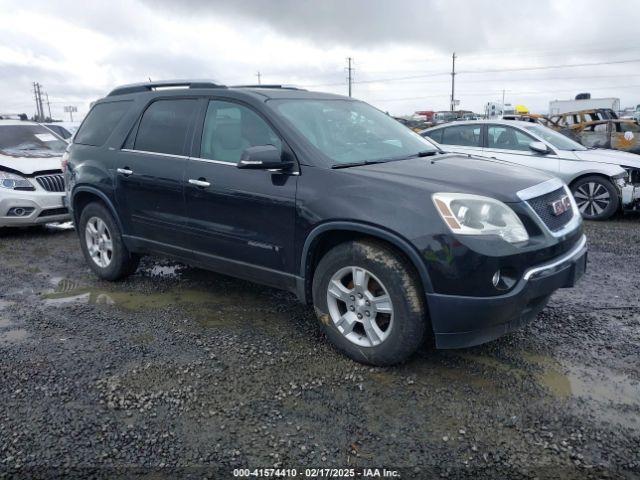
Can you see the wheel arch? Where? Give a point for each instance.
(83, 195)
(590, 174)
(323, 237)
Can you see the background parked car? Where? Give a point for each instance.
(31, 181)
(63, 129)
(601, 180)
(616, 134)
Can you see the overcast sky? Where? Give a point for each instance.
(402, 50)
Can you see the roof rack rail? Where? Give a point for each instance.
(149, 86)
(262, 85)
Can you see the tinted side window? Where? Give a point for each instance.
(463, 135)
(435, 134)
(229, 128)
(164, 127)
(100, 122)
(508, 138)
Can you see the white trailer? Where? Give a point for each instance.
(557, 107)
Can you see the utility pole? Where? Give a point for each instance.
(41, 119)
(259, 76)
(48, 104)
(349, 71)
(453, 82)
(38, 97)
(35, 96)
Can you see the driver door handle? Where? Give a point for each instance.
(199, 183)
(125, 171)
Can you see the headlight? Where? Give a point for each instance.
(622, 180)
(14, 182)
(467, 214)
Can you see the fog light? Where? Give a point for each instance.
(19, 211)
(504, 278)
(496, 279)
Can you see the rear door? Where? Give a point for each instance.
(512, 144)
(238, 215)
(150, 172)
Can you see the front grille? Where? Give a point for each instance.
(52, 183)
(542, 206)
(53, 211)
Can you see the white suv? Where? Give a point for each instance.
(31, 181)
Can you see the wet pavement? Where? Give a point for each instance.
(182, 371)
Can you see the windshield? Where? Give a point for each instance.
(348, 131)
(556, 139)
(30, 141)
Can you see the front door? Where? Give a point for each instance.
(512, 145)
(246, 216)
(150, 172)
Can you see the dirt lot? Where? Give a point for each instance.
(180, 371)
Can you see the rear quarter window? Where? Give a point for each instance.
(100, 122)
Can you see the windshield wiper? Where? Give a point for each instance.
(424, 153)
(428, 153)
(357, 164)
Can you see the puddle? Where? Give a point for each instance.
(209, 308)
(591, 383)
(13, 336)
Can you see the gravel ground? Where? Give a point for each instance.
(181, 372)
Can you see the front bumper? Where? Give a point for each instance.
(48, 207)
(461, 321)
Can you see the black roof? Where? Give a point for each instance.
(266, 91)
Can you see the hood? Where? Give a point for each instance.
(30, 165)
(459, 174)
(613, 157)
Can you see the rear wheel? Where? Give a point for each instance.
(596, 197)
(102, 245)
(369, 302)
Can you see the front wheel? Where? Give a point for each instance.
(597, 198)
(369, 302)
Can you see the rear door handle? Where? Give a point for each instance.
(199, 183)
(125, 171)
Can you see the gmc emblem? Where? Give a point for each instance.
(560, 206)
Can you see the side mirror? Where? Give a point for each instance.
(263, 157)
(539, 147)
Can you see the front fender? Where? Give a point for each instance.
(373, 230)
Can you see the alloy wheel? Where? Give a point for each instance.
(592, 198)
(99, 242)
(360, 306)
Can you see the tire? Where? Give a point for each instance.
(352, 325)
(596, 196)
(96, 228)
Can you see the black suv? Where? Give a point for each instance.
(389, 238)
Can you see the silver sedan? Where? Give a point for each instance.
(602, 181)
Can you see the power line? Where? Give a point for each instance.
(468, 72)
(550, 67)
(493, 92)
